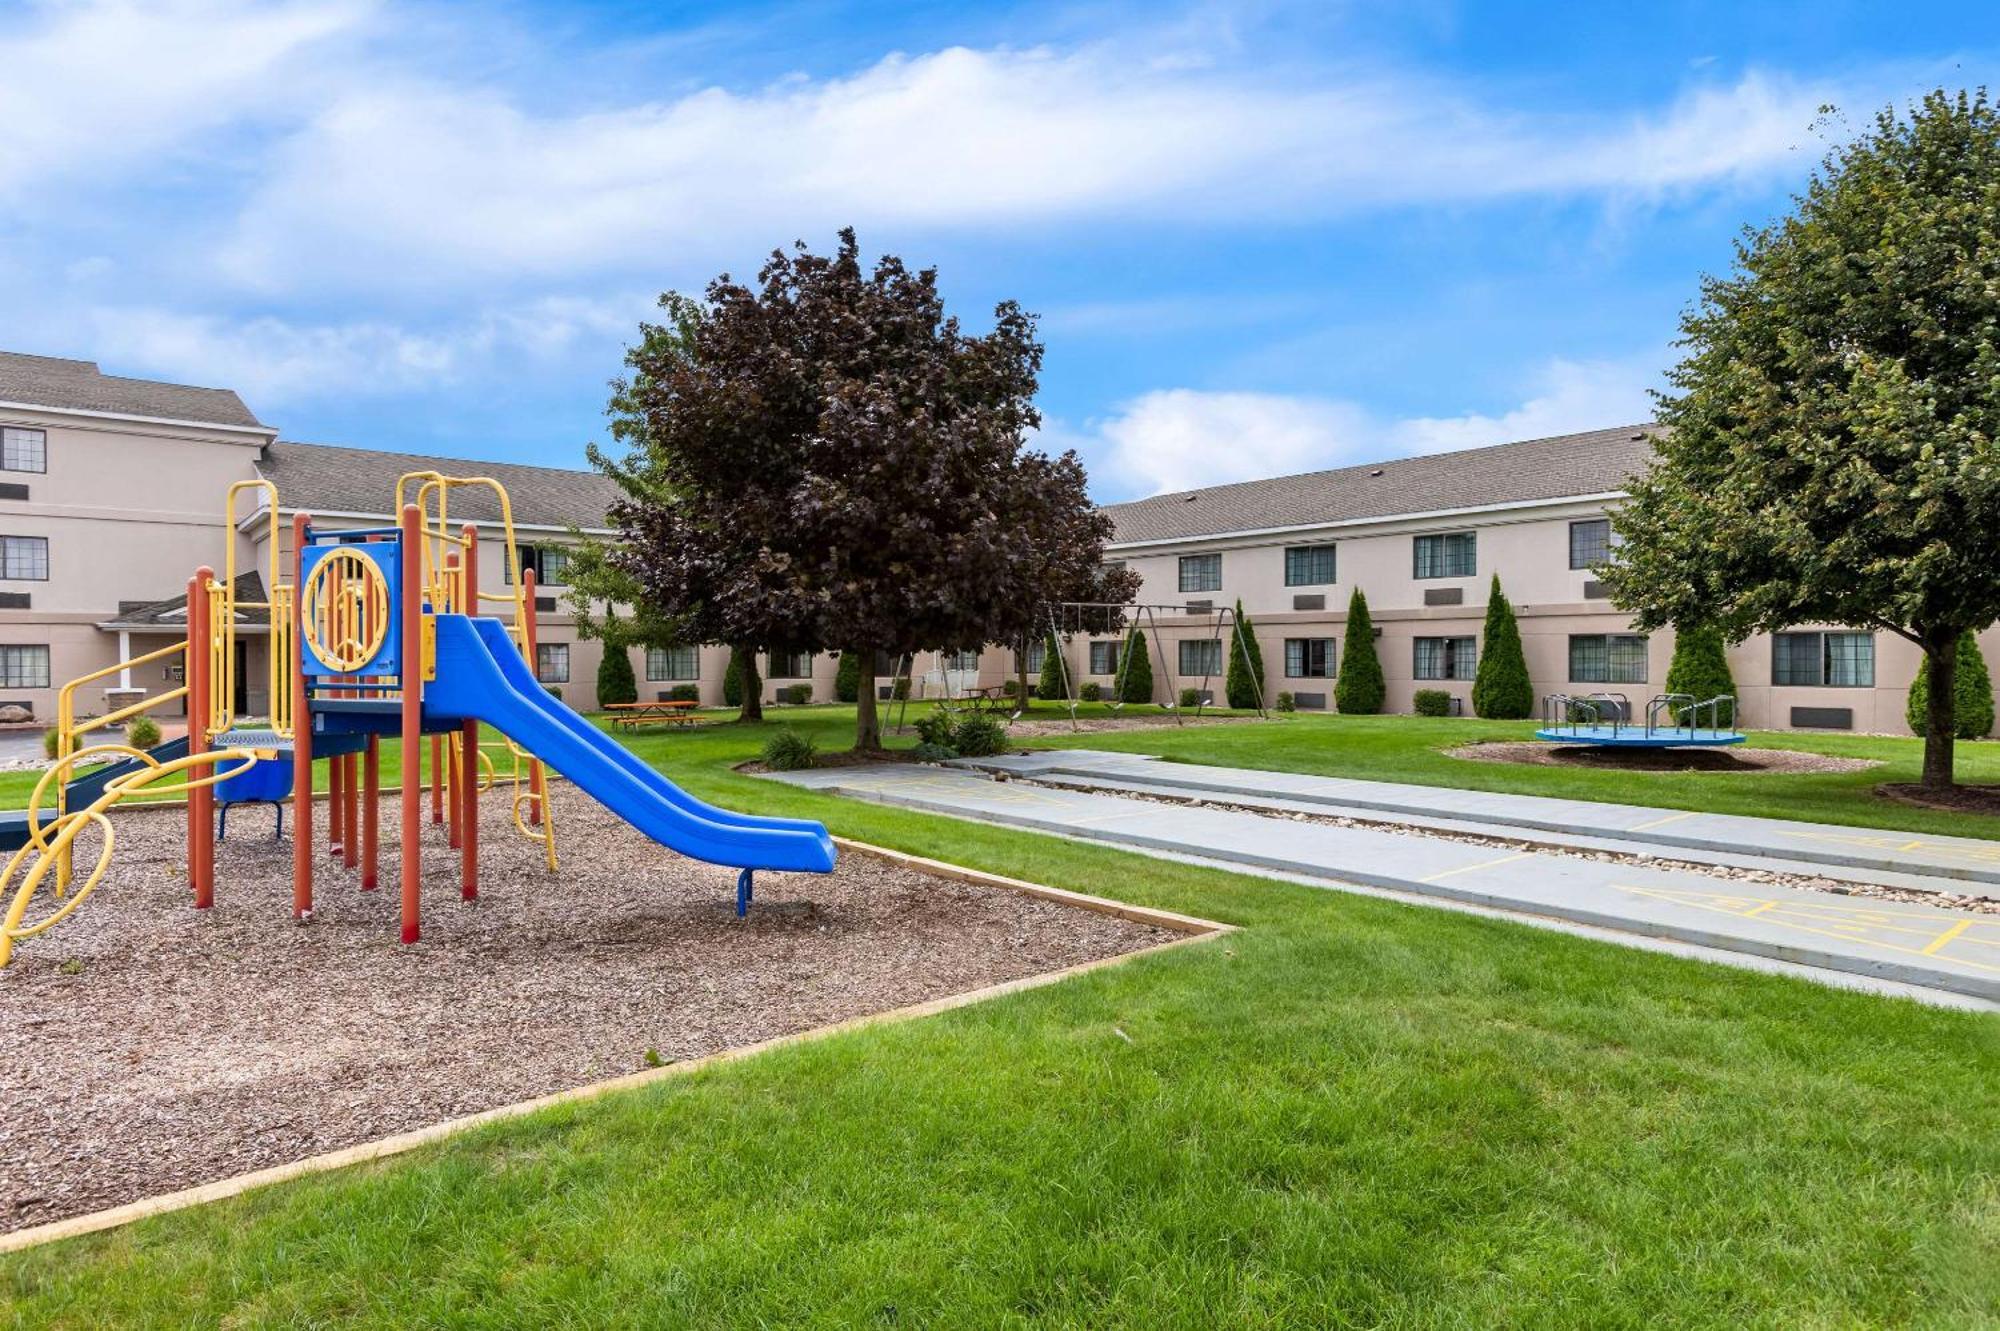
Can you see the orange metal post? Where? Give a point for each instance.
(201, 802)
(437, 778)
(468, 820)
(530, 635)
(453, 768)
(350, 812)
(412, 654)
(371, 797)
(302, 754)
(336, 805)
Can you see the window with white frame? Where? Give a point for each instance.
(1607, 658)
(24, 666)
(961, 663)
(550, 564)
(552, 662)
(1309, 565)
(1453, 554)
(23, 449)
(1591, 543)
(1825, 660)
(24, 558)
(667, 663)
(1201, 573)
(1201, 656)
(1038, 655)
(1104, 656)
(1446, 658)
(791, 665)
(1309, 658)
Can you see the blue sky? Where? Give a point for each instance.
(1262, 237)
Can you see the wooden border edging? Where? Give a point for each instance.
(1192, 929)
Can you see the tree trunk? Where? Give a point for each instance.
(752, 708)
(1941, 714)
(1021, 694)
(867, 723)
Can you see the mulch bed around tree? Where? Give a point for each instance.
(1957, 799)
(1734, 759)
(151, 1047)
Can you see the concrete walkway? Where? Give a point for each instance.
(1973, 864)
(1957, 952)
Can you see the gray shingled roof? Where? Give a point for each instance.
(1595, 462)
(78, 385)
(172, 612)
(326, 478)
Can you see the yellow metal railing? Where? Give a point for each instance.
(225, 607)
(69, 729)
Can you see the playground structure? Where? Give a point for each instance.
(1067, 619)
(1672, 720)
(377, 633)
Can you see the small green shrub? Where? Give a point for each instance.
(790, 750)
(142, 732)
(900, 690)
(978, 736)
(615, 681)
(1011, 688)
(795, 693)
(1287, 702)
(934, 753)
(51, 741)
(847, 678)
(1190, 698)
(1091, 692)
(684, 693)
(936, 727)
(1433, 702)
(1972, 694)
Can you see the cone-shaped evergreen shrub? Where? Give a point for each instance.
(1972, 694)
(1243, 680)
(732, 680)
(1700, 667)
(615, 681)
(1359, 689)
(1135, 676)
(1050, 684)
(847, 678)
(1502, 690)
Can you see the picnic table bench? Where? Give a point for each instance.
(633, 715)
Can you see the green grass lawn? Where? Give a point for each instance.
(1353, 1113)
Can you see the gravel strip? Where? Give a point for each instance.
(1805, 882)
(153, 1047)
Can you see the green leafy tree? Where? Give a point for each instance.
(1134, 681)
(615, 680)
(826, 457)
(1972, 710)
(1832, 454)
(1243, 679)
(1050, 683)
(847, 678)
(1700, 666)
(1359, 690)
(1501, 690)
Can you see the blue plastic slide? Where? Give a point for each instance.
(481, 677)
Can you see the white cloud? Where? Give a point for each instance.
(1183, 439)
(96, 90)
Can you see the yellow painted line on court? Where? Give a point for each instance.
(1759, 910)
(1468, 868)
(1947, 936)
(1662, 822)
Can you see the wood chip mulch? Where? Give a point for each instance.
(1734, 759)
(151, 1047)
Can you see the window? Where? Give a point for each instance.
(24, 450)
(964, 663)
(1201, 656)
(1201, 573)
(552, 662)
(1104, 657)
(673, 663)
(1038, 655)
(791, 665)
(549, 562)
(1308, 565)
(1309, 658)
(1447, 658)
(24, 667)
(25, 558)
(1590, 543)
(1607, 658)
(1834, 660)
(1451, 555)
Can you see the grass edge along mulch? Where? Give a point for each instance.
(1191, 929)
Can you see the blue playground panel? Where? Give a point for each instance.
(1636, 737)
